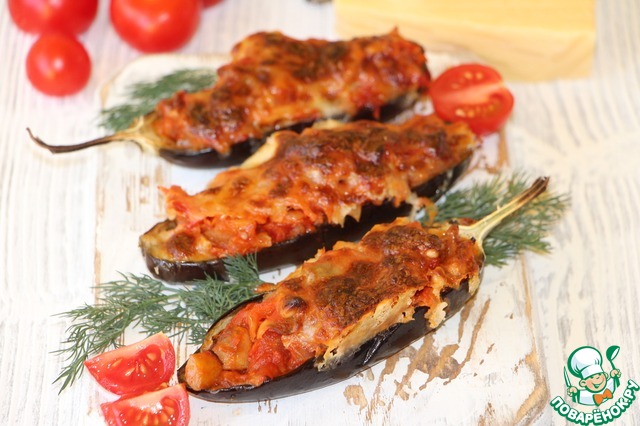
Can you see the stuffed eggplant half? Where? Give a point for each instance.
(274, 82)
(302, 192)
(344, 310)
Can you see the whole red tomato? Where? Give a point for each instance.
(209, 3)
(58, 64)
(38, 16)
(154, 25)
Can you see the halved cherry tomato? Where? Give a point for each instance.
(58, 64)
(38, 16)
(156, 26)
(135, 368)
(169, 406)
(472, 93)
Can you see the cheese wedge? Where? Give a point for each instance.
(526, 40)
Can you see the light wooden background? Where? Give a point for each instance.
(69, 222)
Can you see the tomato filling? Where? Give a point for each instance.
(314, 179)
(274, 82)
(258, 345)
(334, 303)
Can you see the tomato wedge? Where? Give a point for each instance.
(472, 93)
(169, 406)
(135, 368)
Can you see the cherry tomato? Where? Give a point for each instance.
(472, 93)
(169, 406)
(58, 64)
(156, 26)
(135, 368)
(38, 16)
(209, 3)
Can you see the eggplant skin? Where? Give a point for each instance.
(209, 157)
(305, 247)
(307, 377)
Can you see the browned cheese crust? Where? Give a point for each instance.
(315, 178)
(274, 82)
(336, 302)
(345, 284)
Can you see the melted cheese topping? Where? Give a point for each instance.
(330, 306)
(316, 178)
(274, 82)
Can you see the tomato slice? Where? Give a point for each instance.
(169, 406)
(135, 368)
(472, 93)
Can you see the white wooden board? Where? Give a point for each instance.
(472, 362)
(69, 222)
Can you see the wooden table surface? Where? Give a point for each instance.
(68, 222)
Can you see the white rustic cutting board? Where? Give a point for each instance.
(67, 222)
(463, 373)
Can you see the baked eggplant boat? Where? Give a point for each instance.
(274, 82)
(344, 310)
(302, 192)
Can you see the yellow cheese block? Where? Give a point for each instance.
(526, 40)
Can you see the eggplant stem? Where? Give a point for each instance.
(484, 226)
(129, 135)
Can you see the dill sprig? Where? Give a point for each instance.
(151, 306)
(143, 96)
(524, 230)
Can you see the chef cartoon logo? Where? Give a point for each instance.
(597, 386)
(597, 383)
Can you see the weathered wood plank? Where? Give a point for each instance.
(59, 234)
(475, 351)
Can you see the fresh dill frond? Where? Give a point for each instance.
(95, 329)
(243, 269)
(143, 96)
(523, 230)
(147, 304)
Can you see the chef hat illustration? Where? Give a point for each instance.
(585, 362)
